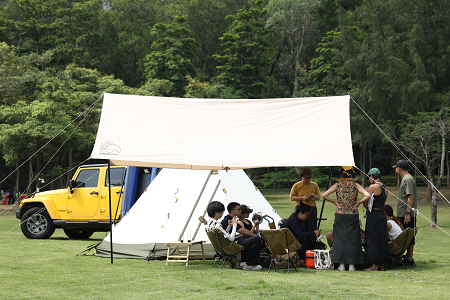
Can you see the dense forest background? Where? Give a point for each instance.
(57, 57)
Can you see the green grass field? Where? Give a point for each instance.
(50, 269)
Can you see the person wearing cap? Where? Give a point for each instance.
(306, 192)
(251, 241)
(244, 222)
(347, 247)
(376, 225)
(407, 205)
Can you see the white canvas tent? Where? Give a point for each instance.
(169, 211)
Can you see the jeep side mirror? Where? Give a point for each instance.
(71, 183)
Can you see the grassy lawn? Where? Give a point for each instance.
(44, 269)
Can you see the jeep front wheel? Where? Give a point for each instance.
(78, 234)
(37, 224)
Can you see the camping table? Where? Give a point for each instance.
(184, 253)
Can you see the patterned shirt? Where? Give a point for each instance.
(347, 196)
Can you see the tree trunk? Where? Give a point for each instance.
(438, 186)
(38, 169)
(275, 180)
(17, 185)
(362, 161)
(429, 188)
(298, 171)
(30, 175)
(370, 157)
(70, 158)
(448, 172)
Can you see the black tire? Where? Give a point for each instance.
(37, 224)
(78, 234)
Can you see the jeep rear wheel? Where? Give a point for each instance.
(78, 234)
(37, 224)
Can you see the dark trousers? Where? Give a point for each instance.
(252, 245)
(306, 245)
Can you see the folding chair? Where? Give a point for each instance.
(281, 242)
(226, 250)
(397, 247)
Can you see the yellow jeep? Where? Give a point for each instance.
(79, 210)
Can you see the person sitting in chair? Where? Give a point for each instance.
(245, 223)
(251, 242)
(294, 224)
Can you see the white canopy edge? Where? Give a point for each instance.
(189, 133)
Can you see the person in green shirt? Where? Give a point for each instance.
(407, 205)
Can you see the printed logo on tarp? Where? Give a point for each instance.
(108, 148)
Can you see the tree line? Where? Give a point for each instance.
(57, 57)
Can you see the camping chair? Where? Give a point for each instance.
(281, 243)
(225, 249)
(397, 247)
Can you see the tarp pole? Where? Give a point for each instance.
(195, 205)
(110, 212)
(204, 213)
(326, 189)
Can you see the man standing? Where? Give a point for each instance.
(407, 205)
(306, 192)
(294, 224)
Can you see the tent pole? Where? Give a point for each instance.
(110, 212)
(323, 204)
(195, 205)
(204, 213)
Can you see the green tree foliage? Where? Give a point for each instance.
(126, 39)
(18, 75)
(293, 23)
(397, 55)
(324, 67)
(245, 62)
(172, 55)
(424, 137)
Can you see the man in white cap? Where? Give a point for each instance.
(407, 205)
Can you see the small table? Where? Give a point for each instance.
(183, 255)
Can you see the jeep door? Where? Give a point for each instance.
(84, 201)
(117, 180)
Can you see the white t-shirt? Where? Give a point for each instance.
(216, 224)
(395, 230)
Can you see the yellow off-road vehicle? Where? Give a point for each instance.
(79, 210)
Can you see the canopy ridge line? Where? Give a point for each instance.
(195, 205)
(37, 151)
(423, 177)
(412, 208)
(204, 213)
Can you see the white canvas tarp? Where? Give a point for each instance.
(189, 133)
(169, 210)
